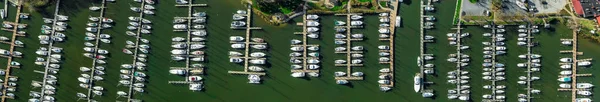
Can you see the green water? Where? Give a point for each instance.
(278, 84)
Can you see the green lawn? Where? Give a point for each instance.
(457, 12)
(364, 0)
(285, 10)
(383, 4)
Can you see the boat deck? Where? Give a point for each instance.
(12, 47)
(50, 46)
(349, 40)
(247, 43)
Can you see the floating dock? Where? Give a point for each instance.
(12, 47)
(247, 43)
(349, 51)
(50, 47)
(459, 61)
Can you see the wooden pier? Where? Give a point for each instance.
(96, 47)
(459, 57)
(12, 47)
(529, 63)
(50, 47)
(349, 40)
(304, 46)
(392, 27)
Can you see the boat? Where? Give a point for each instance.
(177, 71)
(179, 21)
(312, 29)
(356, 17)
(196, 46)
(312, 23)
(565, 79)
(148, 12)
(339, 30)
(584, 85)
(357, 74)
(311, 17)
(199, 14)
(417, 82)
(384, 20)
(259, 47)
(427, 94)
(356, 23)
(149, 7)
(384, 30)
(583, 100)
(255, 68)
(298, 74)
(254, 79)
(583, 63)
(584, 93)
(258, 61)
(179, 26)
(566, 42)
(239, 16)
(236, 60)
(341, 82)
(197, 39)
(199, 33)
(339, 73)
(564, 85)
(257, 54)
(339, 23)
(107, 20)
(566, 60)
(197, 59)
(198, 26)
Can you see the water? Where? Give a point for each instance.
(278, 84)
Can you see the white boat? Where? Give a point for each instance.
(178, 52)
(357, 74)
(255, 68)
(236, 60)
(312, 17)
(566, 60)
(566, 42)
(417, 82)
(196, 46)
(238, 46)
(254, 79)
(257, 54)
(312, 23)
(356, 17)
(198, 59)
(149, 7)
(584, 63)
(238, 24)
(584, 93)
(234, 53)
(177, 58)
(312, 29)
(427, 94)
(565, 79)
(565, 66)
(177, 71)
(566, 72)
(197, 39)
(258, 61)
(236, 38)
(259, 47)
(584, 85)
(384, 30)
(179, 26)
(341, 82)
(564, 85)
(583, 100)
(356, 23)
(298, 74)
(238, 16)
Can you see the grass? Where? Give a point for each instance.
(285, 10)
(365, 0)
(457, 12)
(473, 1)
(383, 4)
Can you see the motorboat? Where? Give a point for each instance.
(236, 38)
(196, 46)
(135, 9)
(199, 33)
(427, 94)
(176, 21)
(584, 63)
(254, 79)
(239, 16)
(565, 79)
(312, 23)
(384, 30)
(312, 29)
(258, 61)
(384, 19)
(583, 100)
(341, 82)
(565, 66)
(357, 48)
(179, 26)
(197, 59)
(259, 47)
(149, 7)
(356, 17)
(567, 42)
(417, 82)
(339, 30)
(340, 36)
(310, 17)
(257, 54)
(238, 24)
(197, 39)
(356, 23)
(584, 85)
(584, 93)
(566, 72)
(255, 68)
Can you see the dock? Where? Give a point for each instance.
(12, 47)
(459, 58)
(392, 27)
(574, 66)
(135, 53)
(529, 63)
(50, 47)
(349, 51)
(247, 43)
(96, 47)
(189, 31)
(304, 46)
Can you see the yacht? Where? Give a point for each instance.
(177, 39)
(341, 82)
(583, 100)
(566, 60)
(565, 66)
(312, 17)
(584, 93)
(254, 79)
(417, 82)
(566, 42)
(583, 63)
(238, 24)
(356, 23)
(259, 47)
(257, 54)
(565, 79)
(312, 29)
(584, 85)
(564, 85)
(177, 71)
(427, 94)
(312, 23)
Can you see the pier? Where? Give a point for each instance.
(247, 43)
(392, 27)
(135, 53)
(96, 47)
(494, 61)
(187, 67)
(12, 47)
(459, 62)
(304, 46)
(50, 47)
(574, 65)
(349, 51)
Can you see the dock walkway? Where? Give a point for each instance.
(50, 46)
(12, 47)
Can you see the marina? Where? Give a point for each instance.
(573, 63)
(52, 61)
(162, 85)
(191, 69)
(12, 64)
(459, 77)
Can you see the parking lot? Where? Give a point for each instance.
(549, 6)
(476, 9)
